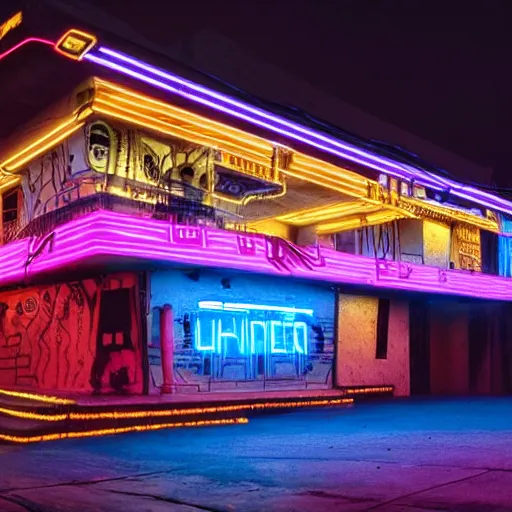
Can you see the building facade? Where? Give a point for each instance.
(162, 236)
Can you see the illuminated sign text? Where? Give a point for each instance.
(245, 166)
(251, 329)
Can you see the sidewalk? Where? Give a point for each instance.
(393, 456)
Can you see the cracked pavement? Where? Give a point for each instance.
(396, 456)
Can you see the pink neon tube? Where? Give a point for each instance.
(107, 236)
(23, 43)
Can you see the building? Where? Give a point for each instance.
(161, 235)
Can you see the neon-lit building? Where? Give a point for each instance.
(160, 235)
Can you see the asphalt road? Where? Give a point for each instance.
(405, 456)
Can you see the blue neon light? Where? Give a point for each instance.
(251, 329)
(230, 306)
(505, 250)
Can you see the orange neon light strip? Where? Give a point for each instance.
(369, 390)
(37, 397)
(74, 416)
(370, 219)
(121, 430)
(322, 213)
(9, 183)
(12, 23)
(45, 143)
(33, 415)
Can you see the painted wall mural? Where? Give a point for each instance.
(76, 336)
(78, 167)
(117, 159)
(46, 182)
(466, 251)
(244, 332)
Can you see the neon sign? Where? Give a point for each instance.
(245, 166)
(10, 24)
(235, 329)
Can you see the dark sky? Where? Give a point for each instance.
(437, 69)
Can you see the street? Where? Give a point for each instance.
(402, 455)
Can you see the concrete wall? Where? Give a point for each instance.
(271, 227)
(357, 328)
(436, 244)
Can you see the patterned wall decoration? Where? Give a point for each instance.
(77, 167)
(75, 336)
(46, 182)
(244, 332)
(466, 251)
(117, 158)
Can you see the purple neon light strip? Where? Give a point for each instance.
(177, 85)
(366, 159)
(107, 234)
(185, 85)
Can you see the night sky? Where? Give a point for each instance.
(437, 69)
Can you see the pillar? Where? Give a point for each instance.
(167, 347)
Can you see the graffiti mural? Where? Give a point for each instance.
(63, 337)
(119, 160)
(77, 167)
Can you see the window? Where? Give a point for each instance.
(382, 329)
(10, 206)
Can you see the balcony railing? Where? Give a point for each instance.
(177, 202)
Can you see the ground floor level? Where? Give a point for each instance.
(198, 331)
(404, 455)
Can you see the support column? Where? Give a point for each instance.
(167, 347)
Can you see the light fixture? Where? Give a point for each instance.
(75, 44)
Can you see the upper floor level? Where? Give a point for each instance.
(227, 165)
(106, 146)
